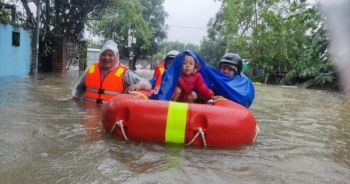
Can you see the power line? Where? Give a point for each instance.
(187, 27)
(192, 39)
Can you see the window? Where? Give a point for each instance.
(15, 38)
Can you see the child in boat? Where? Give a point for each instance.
(190, 79)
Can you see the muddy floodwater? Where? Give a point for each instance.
(47, 138)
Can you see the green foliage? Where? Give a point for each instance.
(191, 46)
(5, 15)
(211, 51)
(168, 46)
(46, 48)
(158, 55)
(64, 18)
(313, 68)
(252, 77)
(155, 15)
(147, 17)
(93, 44)
(6, 12)
(173, 46)
(276, 35)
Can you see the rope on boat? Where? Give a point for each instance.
(120, 124)
(200, 131)
(256, 133)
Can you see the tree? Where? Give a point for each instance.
(211, 51)
(93, 44)
(67, 18)
(276, 35)
(148, 17)
(155, 15)
(314, 68)
(5, 14)
(191, 46)
(174, 46)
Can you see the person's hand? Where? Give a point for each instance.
(217, 97)
(210, 102)
(75, 99)
(157, 88)
(135, 87)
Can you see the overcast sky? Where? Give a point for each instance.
(188, 19)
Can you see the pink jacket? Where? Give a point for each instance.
(191, 82)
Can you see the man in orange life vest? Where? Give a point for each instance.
(107, 78)
(159, 70)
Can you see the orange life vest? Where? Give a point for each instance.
(100, 91)
(158, 72)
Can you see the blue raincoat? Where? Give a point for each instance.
(239, 88)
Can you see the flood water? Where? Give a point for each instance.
(46, 138)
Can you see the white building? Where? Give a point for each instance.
(92, 56)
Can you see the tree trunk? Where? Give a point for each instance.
(30, 18)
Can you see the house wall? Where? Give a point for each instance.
(15, 60)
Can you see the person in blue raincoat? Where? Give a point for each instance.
(237, 88)
(231, 65)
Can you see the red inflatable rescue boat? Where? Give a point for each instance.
(222, 123)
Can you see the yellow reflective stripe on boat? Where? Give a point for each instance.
(176, 122)
(139, 93)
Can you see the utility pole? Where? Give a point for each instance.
(37, 37)
(227, 50)
(131, 42)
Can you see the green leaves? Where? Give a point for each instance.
(148, 18)
(277, 35)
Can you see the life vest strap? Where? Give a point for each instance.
(100, 101)
(111, 92)
(102, 91)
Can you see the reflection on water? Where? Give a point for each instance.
(46, 138)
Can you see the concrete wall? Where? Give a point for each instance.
(15, 60)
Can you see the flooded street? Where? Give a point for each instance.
(47, 138)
